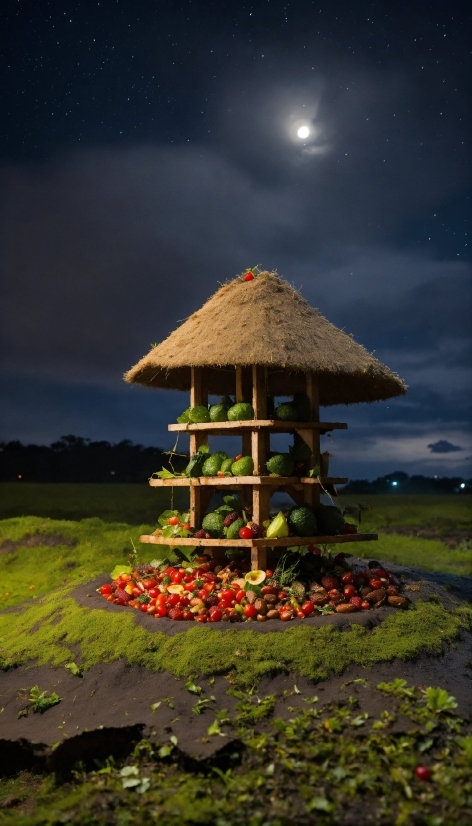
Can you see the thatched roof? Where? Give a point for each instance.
(266, 322)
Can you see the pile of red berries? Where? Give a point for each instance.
(205, 592)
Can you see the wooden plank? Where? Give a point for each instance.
(220, 428)
(239, 481)
(198, 395)
(281, 542)
(259, 440)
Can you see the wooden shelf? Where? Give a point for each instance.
(238, 481)
(276, 426)
(280, 542)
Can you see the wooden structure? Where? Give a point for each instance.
(253, 340)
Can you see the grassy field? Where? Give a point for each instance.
(140, 505)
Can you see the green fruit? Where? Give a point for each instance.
(194, 467)
(281, 464)
(243, 467)
(300, 452)
(212, 465)
(302, 521)
(240, 411)
(233, 531)
(218, 413)
(287, 412)
(302, 403)
(330, 520)
(184, 417)
(226, 466)
(213, 524)
(199, 414)
(278, 527)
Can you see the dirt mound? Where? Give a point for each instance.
(37, 540)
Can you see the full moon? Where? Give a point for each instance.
(303, 132)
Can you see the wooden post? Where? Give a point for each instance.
(260, 446)
(312, 437)
(258, 559)
(241, 382)
(198, 395)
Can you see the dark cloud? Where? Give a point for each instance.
(443, 446)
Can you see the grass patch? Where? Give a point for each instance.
(100, 546)
(134, 504)
(50, 631)
(320, 765)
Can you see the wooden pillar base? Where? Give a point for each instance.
(258, 559)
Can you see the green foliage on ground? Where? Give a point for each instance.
(321, 764)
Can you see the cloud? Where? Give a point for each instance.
(443, 446)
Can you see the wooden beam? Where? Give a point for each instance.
(261, 504)
(281, 542)
(222, 428)
(198, 395)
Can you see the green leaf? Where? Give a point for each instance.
(173, 739)
(203, 449)
(164, 474)
(120, 569)
(215, 729)
(40, 702)
(437, 699)
(194, 689)
(74, 669)
(320, 804)
(164, 751)
(155, 706)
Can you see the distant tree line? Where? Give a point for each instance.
(400, 482)
(73, 459)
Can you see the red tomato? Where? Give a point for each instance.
(143, 608)
(161, 598)
(149, 583)
(184, 601)
(161, 610)
(300, 614)
(282, 595)
(240, 595)
(200, 618)
(269, 574)
(215, 614)
(188, 577)
(109, 598)
(105, 589)
(313, 550)
(365, 606)
(177, 577)
(357, 601)
(349, 591)
(226, 594)
(125, 577)
(308, 608)
(173, 520)
(376, 583)
(249, 276)
(172, 599)
(153, 592)
(202, 593)
(348, 578)
(423, 773)
(136, 591)
(245, 533)
(187, 526)
(249, 610)
(151, 609)
(188, 616)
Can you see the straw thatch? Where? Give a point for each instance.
(266, 322)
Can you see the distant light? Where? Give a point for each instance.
(462, 484)
(20, 477)
(394, 484)
(303, 132)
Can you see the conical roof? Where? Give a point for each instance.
(266, 322)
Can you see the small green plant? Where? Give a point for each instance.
(40, 701)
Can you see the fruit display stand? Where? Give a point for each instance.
(256, 490)
(258, 338)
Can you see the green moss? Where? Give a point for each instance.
(55, 626)
(99, 547)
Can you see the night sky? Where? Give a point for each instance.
(149, 152)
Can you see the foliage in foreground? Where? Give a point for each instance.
(334, 765)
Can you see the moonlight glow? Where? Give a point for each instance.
(303, 132)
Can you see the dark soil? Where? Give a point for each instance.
(109, 709)
(36, 540)
(452, 537)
